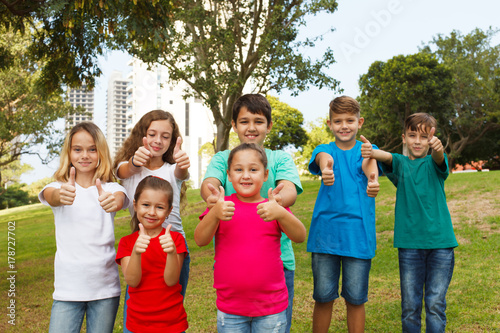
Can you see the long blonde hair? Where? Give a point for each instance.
(104, 169)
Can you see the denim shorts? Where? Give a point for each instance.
(228, 323)
(326, 273)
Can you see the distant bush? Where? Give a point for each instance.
(14, 196)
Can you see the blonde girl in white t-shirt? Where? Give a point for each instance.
(84, 200)
(154, 149)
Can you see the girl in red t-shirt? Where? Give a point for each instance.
(151, 259)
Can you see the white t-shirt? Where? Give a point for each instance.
(166, 171)
(84, 264)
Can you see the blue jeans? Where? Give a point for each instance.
(68, 316)
(289, 279)
(425, 274)
(228, 323)
(326, 274)
(183, 281)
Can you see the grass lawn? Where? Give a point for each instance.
(473, 296)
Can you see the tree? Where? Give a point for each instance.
(26, 110)
(475, 66)
(403, 85)
(219, 47)
(70, 35)
(12, 172)
(14, 196)
(287, 126)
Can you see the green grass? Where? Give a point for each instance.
(473, 297)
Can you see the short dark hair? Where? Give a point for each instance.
(345, 104)
(254, 103)
(248, 146)
(416, 120)
(154, 183)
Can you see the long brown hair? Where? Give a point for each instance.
(153, 183)
(134, 141)
(103, 171)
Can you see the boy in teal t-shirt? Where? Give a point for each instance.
(423, 231)
(252, 122)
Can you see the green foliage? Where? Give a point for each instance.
(471, 131)
(11, 173)
(287, 127)
(318, 133)
(15, 196)
(27, 112)
(69, 35)
(218, 47)
(403, 85)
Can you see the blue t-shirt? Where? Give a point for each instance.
(343, 221)
(281, 167)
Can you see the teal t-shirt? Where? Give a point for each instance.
(281, 167)
(422, 218)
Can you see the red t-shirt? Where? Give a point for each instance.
(153, 306)
(248, 271)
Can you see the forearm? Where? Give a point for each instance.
(288, 193)
(181, 173)
(382, 156)
(127, 169)
(205, 230)
(369, 166)
(438, 157)
(292, 227)
(173, 268)
(132, 271)
(51, 194)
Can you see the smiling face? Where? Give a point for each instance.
(247, 174)
(345, 126)
(159, 136)
(152, 209)
(83, 153)
(417, 142)
(251, 127)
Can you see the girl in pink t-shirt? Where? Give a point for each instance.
(248, 271)
(151, 259)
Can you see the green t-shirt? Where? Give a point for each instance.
(422, 218)
(281, 167)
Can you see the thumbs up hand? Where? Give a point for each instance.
(213, 197)
(142, 242)
(366, 148)
(373, 186)
(327, 173)
(270, 210)
(107, 200)
(224, 210)
(277, 194)
(67, 193)
(143, 154)
(181, 158)
(434, 141)
(166, 241)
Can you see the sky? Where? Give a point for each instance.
(365, 31)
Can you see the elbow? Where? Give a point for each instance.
(133, 284)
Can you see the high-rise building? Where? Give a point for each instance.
(116, 127)
(80, 97)
(149, 90)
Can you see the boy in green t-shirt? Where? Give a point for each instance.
(252, 122)
(423, 231)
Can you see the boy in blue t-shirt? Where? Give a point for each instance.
(342, 232)
(423, 231)
(252, 122)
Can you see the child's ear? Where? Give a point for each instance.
(169, 211)
(228, 175)
(135, 206)
(361, 121)
(269, 127)
(266, 174)
(234, 126)
(404, 140)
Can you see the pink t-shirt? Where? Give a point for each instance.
(248, 271)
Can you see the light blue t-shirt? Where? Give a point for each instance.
(281, 167)
(343, 221)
